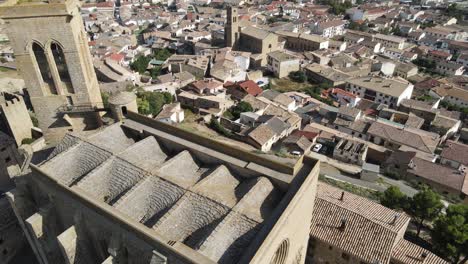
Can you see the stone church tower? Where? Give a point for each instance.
(231, 30)
(53, 57)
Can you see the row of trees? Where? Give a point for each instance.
(450, 229)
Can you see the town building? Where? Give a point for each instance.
(303, 42)
(444, 179)
(381, 90)
(451, 94)
(239, 90)
(389, 41)
(341, 217)
(329, 29)
(455, 155)
(325, 74)
(350, 151)
(403, 138)
(281, 63)
(449, 68)
(171, 113)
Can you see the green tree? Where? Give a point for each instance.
(450, 234)
(396, 31)
(140, 64)
(241, 108)
(424, 206)
(298, 76)
(152, 102)
(162, 54)
(393, 198)
(216, 126)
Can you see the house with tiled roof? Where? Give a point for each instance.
(455, 155)
(451, 94)
(239, 90)
(399, 137)
(347, 228)
(439, 177)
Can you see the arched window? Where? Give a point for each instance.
(44, 68)
(62, 68)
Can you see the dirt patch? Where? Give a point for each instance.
(286, 85)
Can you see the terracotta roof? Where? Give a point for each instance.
(452, 91)
(439, 53)
(309, 135)
(206, 84)
(370, 230)
(409, 253)
(262, 134)
(455, 151)
(249, 87)
(437, 173)
(413, 138)
(117, 57)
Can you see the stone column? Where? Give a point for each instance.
(53, 70)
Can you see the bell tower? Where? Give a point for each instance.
(231, 30)
(53, 57)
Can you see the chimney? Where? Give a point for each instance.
(342, 196)
(423, 255)
(343, 225)
(395, 218)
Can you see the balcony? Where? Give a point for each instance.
(81, 108)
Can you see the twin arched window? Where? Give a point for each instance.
(58, 56)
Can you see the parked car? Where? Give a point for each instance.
(317, 147)
(296, 153)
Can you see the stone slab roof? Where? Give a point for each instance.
(205, 206)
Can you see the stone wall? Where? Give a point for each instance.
(229, 150)
(16, 115)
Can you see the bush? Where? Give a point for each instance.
(216, 126)
(27, 141)
(241, 107)
(34, 120)
(392, 174)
